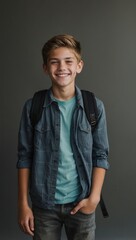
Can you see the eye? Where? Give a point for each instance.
(53, 62)
(69, 61)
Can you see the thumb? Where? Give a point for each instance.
(76, 208)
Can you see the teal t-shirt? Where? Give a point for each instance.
(68, 185)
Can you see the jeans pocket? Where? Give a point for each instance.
(86, 214)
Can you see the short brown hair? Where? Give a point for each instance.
(58, 41)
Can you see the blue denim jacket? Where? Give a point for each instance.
(38, 148)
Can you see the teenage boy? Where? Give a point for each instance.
(60, 162)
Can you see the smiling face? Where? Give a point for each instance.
(62, 67)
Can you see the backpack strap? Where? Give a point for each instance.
(103, 207)
(91, 111)
(90, 107)
(37, 106)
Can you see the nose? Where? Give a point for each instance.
(62, 65)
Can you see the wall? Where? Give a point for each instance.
(107, 32)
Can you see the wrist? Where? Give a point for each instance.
(23, 204)
(94, 197)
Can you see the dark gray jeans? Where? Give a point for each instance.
(49, 223)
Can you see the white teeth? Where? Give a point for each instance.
(62, 75)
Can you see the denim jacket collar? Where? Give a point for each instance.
(49, 99)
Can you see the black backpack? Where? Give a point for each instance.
(91, 114)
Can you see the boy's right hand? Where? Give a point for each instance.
(26, 220)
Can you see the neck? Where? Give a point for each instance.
(63, 94)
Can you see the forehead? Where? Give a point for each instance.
(62, 53)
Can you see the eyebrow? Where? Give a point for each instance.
(67, 58)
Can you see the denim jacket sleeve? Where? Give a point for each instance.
(100, 139)
(25, 138)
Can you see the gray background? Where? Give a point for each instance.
(107, 32)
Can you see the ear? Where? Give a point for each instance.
(80, 66)
(45, 68)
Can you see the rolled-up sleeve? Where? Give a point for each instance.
(100, 139)
(25, 139)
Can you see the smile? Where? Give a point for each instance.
(62, 74)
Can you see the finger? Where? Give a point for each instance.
(27, 229)
(32, 224)
(76, 209)
(22, 226)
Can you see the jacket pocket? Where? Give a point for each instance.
(84, 136)
(42, 138)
